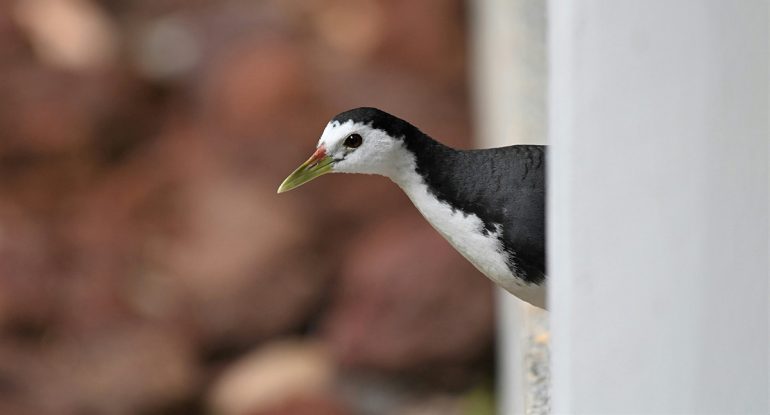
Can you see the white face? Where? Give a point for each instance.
(374, 153)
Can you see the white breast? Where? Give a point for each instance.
(465, 233)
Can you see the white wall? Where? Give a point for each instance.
(658, 206)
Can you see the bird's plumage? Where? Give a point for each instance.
(502, 186)
(489, 204)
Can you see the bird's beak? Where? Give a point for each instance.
(317, 165)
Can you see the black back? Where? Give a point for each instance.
(504, 187)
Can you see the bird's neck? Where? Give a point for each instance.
(419, 157)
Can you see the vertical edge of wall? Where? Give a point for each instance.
(658, 206)
(509, 86)
(560, 126)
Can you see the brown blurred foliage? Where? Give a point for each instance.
(144, 254)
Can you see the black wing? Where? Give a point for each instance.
(504, 187)
(518, 203)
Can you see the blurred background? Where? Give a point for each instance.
(147, 265)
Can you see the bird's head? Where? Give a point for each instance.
(362, 140)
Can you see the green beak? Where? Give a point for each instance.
(317, 165)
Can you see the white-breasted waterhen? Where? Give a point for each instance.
(489, 204)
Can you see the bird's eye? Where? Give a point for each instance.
(353, 141)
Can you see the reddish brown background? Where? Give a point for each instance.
(147, 265)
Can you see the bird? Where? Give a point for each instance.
(489, 204)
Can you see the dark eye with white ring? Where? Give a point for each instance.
(353, 141)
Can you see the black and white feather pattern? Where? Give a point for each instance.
(489, 204)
